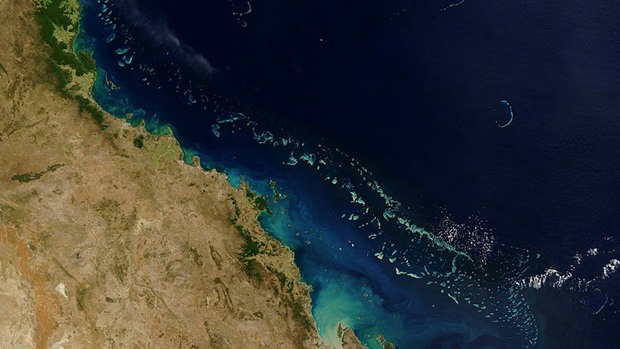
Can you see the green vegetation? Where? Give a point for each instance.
(7, 214)
(259, 201)
(250, 194)
(120, 268)
(80, 296)
(138, 142)
(87, 106)
(237, 211)
(385, 343)
(299, 314)
(257, 271)
(43, 238)
(262, 204)
(254, 269)
(29, 176)
(277, 196)
(86, 59)
(251, 249)
(282, 279)
(196, 257)
(52, 16)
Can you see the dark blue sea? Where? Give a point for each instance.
(451, 169)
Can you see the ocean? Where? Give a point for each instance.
(450, 170)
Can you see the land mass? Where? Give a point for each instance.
(108, 239)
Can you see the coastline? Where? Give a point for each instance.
(104, 226)
(381, 252)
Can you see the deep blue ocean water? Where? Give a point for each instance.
(451, 173)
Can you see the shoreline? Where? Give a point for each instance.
(191, 158)
(165, 154)
(261, 248)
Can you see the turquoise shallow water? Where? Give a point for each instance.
(340, 263)
(376, 256)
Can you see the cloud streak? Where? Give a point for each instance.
(155, 32)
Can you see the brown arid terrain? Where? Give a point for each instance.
(109, 240)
